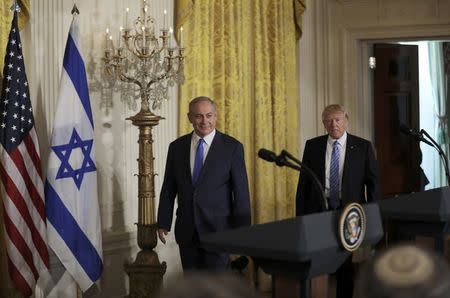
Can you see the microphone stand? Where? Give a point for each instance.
(301, 166)
(280, 160)
(441, 154)
(305, 284)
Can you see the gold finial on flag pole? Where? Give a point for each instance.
(15, 7)
(75, 9)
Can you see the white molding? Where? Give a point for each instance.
(413, 32)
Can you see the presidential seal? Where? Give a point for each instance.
(352, 226)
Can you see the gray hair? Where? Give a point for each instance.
(334, 108)
(200, 99)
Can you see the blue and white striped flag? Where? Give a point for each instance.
(73, 220)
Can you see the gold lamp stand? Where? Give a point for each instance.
(153, 65)
(146, 273)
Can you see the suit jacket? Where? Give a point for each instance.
(220, 199)
(359, 177)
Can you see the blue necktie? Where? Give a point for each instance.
(334, 177)
(198, 162)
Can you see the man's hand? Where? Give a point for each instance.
(161, 234)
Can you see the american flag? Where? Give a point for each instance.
(20, 174)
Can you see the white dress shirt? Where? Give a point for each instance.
(342, 142)
(194, 143)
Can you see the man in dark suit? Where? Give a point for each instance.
(346, 167)
(206, 170)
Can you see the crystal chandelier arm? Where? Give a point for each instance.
(158, 79)
(133, 46)
(150, 54)
(110, 69)
(179, 65)
(165, 39)
(128, 79)
(133, 50)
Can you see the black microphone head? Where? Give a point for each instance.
(411, 132)
(280, 160)
(405, 129)
(239, 263)
(267, 155)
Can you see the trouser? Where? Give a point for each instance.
(195, 257)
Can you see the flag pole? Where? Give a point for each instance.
(74, 13)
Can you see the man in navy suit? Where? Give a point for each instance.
(346, 167)
(206, 170)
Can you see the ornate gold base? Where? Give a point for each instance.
(145, 274)
(147, 236)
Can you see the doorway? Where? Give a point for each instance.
(410, 90)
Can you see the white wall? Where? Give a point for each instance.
(116, 139)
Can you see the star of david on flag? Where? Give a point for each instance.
(66, 151)
(73, 217)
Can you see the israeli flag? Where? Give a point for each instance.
(73, 219)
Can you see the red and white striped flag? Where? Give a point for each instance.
(22, 189)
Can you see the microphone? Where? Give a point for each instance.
(414, 133)
(281, 160)
(441, 154)
(418, 135)
(239, 264)
(267, 155)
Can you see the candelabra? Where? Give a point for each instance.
(153, 65)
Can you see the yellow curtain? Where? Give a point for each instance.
(6, 287)
(242, 53)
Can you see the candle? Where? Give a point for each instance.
(127, 10)
(107, 39)
(110, 43)
(145, 13)
(165, 19)
(170, 36)
(143, 36)
(120, 36)
(144, 4)
(181, 36)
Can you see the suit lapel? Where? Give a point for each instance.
(321, 158)
(348, 161)
(187, 156)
